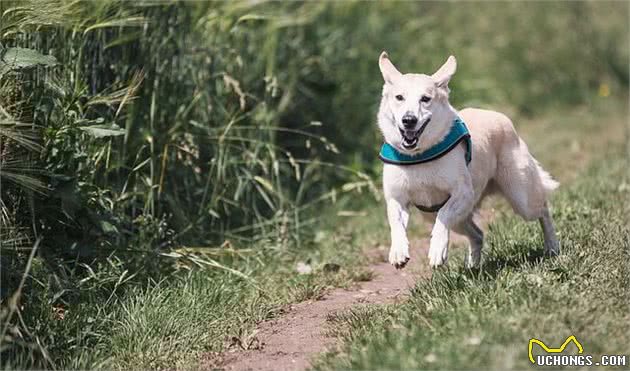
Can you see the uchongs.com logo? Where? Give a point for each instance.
(560, 357)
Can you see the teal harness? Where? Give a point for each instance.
(457, 134)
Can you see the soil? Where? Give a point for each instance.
(291, 340)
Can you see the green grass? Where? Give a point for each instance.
(113, 320)
(483, 319)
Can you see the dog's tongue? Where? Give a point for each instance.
(409, 141)
(409, 135)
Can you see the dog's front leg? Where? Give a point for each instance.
(398, 217)
(456, 209)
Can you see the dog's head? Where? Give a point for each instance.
(415, 106)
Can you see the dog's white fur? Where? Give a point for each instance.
(500, 163)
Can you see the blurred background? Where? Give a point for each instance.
(136, 129)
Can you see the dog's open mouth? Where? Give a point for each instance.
(411, 137)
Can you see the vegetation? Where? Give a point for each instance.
(164, 167)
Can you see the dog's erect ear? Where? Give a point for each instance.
(390, 73)
(444, 74)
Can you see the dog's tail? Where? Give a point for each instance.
(549, 184)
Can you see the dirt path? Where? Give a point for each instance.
(291, 340)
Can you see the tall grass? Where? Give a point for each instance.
(135, 133)
(158, 127)
(197, 149)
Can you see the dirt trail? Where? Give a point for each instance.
(291, 340)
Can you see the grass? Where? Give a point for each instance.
(113, 320)
(483, 319)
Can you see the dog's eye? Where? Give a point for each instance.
(425, 99)
(400, 97)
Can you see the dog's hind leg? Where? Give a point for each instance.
(523, 181)
(474, 234)
(552, 247)
(527, 186)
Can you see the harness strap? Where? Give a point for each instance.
(434, 208)
(457, 134)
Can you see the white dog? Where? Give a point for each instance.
(427, 155)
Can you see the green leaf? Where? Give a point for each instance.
(123, 22)
(105, 130)
(264, 182)
(21, 58)
(107, 227)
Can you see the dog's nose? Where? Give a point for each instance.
(409, 120)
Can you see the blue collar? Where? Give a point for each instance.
(458, 132)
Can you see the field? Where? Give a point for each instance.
(173, 176)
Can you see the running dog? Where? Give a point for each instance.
(444, 162)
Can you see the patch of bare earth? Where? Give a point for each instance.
(289, 341)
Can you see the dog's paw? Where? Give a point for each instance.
(473, 259)
(438, 251)
(552, 248)
(437, 256)
(399, 255)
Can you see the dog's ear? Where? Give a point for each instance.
(390, 73)
(444, 74)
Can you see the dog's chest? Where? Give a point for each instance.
(420, 185)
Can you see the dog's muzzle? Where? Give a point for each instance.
(411, 137)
